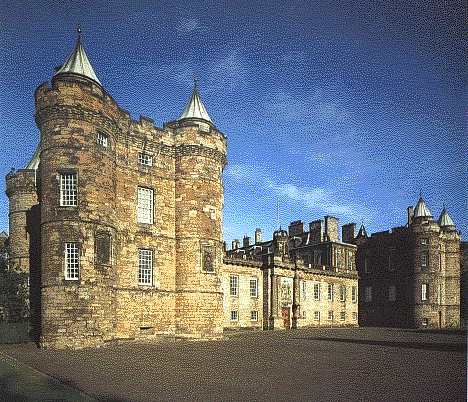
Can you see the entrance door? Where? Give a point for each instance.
(286, 314)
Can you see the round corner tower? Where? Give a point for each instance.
(78, 122)
(199, 196)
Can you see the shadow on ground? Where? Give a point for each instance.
(441, 347)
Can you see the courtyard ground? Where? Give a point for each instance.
(365, 364)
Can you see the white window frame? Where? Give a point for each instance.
(342, 293)
(330, 290)
(354, 316)
(145, 159)
(304, 290)
(342, 315)
(330, 315)
(102, 139)
(145, 267)
(68, 189)
(368, 294)
(253, 290)
(354, 297)
(317, 291)
(424, 292)
(72, 261)
(253, 315)
(234, 285)
(316, 315)
(234, 315)
(145, 205)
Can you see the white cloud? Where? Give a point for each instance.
(187, 25)
(318, 199)
(227, 72)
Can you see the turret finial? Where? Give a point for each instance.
(195, 82)
(78, 31)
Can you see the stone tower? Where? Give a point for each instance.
(131, 234)
(199, 196)
(436, 259)
(24, 226)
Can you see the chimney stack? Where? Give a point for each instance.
(410, 210)
(246, 241)
(258, 235)
(348, 233)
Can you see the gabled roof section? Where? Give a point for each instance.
(195, 107)
(445, 219)
(78, 62)
(421, 209)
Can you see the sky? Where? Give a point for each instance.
(342, 108)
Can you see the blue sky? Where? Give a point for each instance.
(342, 108)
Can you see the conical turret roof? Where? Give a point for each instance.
(445, 219)
(421, 209)
(362, 231)
(78, 62)
(195, 107)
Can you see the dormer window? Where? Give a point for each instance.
(145, 159)
(103, 139)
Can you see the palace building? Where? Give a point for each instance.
(116, 230)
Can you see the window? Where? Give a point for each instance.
(330, 291)
(68, 190)
(304, 290)
(145, 159)
(424, 241)
(317, 315)
(330, 315)
(391, 293)
(366, 265)
(425, 322)
(72, 262)
(343, 315)
(424, 291)
(234, 285)
(354, 294)
(350, 260)
(390, 266)
(145, 267)
(253, 287)
(439, 294)
(208, 258)
(368, 293)
(316, 291)
(342, 293)
(254, 315)
(354, 316)
(234, 315)
(145, 205)
(102, 139)
(103, 248)
(424, 261)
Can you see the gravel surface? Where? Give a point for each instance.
(365, 364)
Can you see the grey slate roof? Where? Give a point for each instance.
(34, 162)
(195, 107)
(421, 209)
(445, 219)
(78, 63)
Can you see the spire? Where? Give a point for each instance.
(362, 231)
(195, 107)
(34, 162)
(78, 62)
(421, 209)
(445, 220)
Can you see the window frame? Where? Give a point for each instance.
(102, 139)
(424, 292)
(255, 294)
(368, 294)
(424, 263)
(342, 293)
(354, 294)
(68, 190)
(392, 293)
(235, 316)
(330, 315)
(317, 291)
(68, 270)
(330, 295)
(142, 209)
(231, 286)
(141, 159)
(316, 315)
(252, 315)
(342, 315)
(142, 270)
